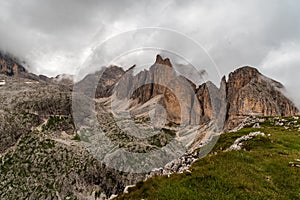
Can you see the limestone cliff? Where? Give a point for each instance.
(251, 93)
(247, 92)
(178, 94)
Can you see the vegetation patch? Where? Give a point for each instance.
(77, 137)
(59, 123)
(266, 168)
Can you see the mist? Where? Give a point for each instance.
(57, 36)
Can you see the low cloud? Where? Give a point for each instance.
(283, 64)
(56, 36)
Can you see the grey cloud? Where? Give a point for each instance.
(56, 36)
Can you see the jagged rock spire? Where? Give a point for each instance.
(160, 60)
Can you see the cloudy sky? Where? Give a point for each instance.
(57, 36)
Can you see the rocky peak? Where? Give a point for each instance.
(240, 78)
(10, 66)
(251, 93)
(160, 60)
(245, 71)
(247, 92)
(175, 91)
(106, 80)
(148, 83)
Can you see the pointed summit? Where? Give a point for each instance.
(160, 60)
(167, 62)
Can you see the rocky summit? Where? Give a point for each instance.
(251, 93)
(44, 147)
(246, 93)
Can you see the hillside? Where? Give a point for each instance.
(49, 148)
(267, 167)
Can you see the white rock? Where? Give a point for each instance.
(279, 124)
(127, 187)
(112, 196)
(2, 82)
(237, 145)
(256, 125)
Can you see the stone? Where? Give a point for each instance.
(238, 143)
(256, 125)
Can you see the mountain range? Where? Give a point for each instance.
(246, 92)
(43, 139)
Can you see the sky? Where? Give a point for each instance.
(58, 36)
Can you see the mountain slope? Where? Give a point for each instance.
(267, 168)
(43, 152)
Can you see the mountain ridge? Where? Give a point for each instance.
(240, 102)
(153, 82)
(43, 149)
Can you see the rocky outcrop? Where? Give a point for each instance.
(148, 83)
(183, 101)
(247, 92)
(10, 66)
(178, 94)
(105, 80)
(108, 80)
(251, 93)
(13, 67)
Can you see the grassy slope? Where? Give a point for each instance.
(260, 172)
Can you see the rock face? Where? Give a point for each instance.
(146, 84)
(247, 92)
(10, 66)
(251, 93)
(108, 80)
(105, 79)
(160, 79)
(178, 94)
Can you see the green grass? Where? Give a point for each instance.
(262, 171)
(76, 137)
